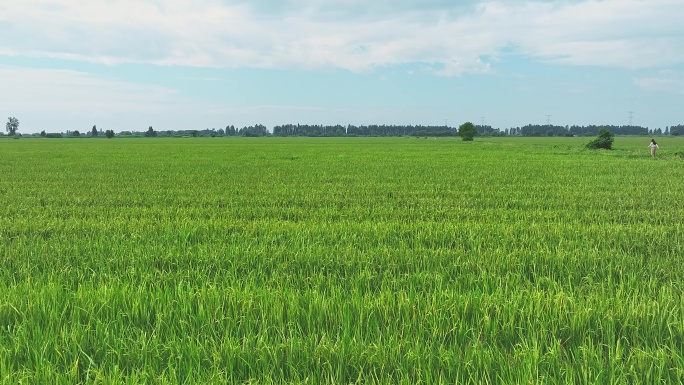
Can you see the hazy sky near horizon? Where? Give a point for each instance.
(184, 64)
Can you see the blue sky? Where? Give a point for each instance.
(185, 64)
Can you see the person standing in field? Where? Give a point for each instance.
(653, 146)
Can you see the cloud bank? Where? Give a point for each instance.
(58, 91)
(352, 35)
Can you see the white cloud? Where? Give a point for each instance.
(613, 33)
(663, 81)
(65, 91)
(74, 100)
(350, 34)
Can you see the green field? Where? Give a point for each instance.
(346, 260)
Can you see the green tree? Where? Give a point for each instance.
(76, 133)
(42, 133)
(93, 132)
(150, 132)
(109, 133)
(603, 140)
(12, 125)
(467, 131)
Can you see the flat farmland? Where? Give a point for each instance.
(341, 260)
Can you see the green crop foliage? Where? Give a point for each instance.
(346, 260)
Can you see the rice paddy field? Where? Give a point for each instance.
(345, 260)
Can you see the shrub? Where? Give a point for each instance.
(603, 140)
(467, 131)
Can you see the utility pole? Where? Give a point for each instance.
(631, 116)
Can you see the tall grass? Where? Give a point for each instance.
(340, 261)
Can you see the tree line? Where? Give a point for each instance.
(482, 130)
(318, 130)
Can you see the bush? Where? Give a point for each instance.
(467, 131)
(603, 140)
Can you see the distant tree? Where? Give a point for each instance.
(12, 125)
(76, 133)
(93, 132)
(674, 132)
(42, 133)
(467, 131)
(109, 133)
(258, 130)
(603, 140)
(150, 132)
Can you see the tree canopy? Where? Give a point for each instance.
(467, 131)
(603, 140)
(12, 125)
